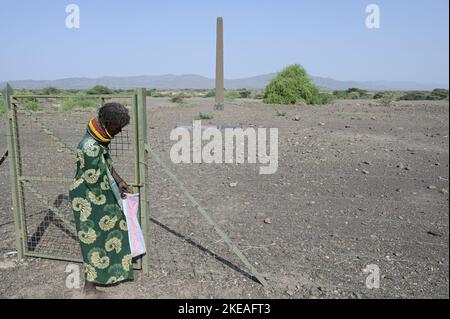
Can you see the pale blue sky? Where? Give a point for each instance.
(138, 37)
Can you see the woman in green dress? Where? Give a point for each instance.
(95, 196)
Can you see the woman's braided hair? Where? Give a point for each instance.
(114, 112)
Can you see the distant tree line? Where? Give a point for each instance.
(355, 93)
(291, 86)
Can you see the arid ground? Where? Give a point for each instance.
(358, 184)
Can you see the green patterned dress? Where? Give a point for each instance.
(100, 222)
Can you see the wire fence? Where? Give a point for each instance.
(44, 132)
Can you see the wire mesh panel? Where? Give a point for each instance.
(48, 130)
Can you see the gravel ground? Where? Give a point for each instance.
(357, 184)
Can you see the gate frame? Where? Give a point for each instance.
(139, 115)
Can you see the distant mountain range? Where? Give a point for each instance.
(193, 81)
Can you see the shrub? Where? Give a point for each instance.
(415, 96)
(353, 95)
(363, 94)
(378, 95)
(31, 104)
(340, 94)
(99, 90)
(177, 98)
(280, 113)
(79, 103)
(259, 96)
(325, 98)
(157, 94)
(387, 99)
(74, 92)
(204, 116)
(290, 86)
(438, 94)
(2, 106)
(231, 95)
(211, 93)
(244, 94)
(50, 91)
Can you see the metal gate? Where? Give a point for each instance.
(42, 135)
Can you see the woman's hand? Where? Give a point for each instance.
(124, 188)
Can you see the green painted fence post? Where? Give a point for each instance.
(134, 119)
(143, 173)
(10, 115)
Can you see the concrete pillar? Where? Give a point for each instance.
(219, 67)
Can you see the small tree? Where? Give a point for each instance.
(361, 93)
(99, 90)
(177, 98)
(340, 94)
(211, 93)
(387, 99)
(50, 90)
(325, 98)
(438, 94)
(378, 95)
(353, 95)
(203, 116)
(415, 96)
(290, 86)
(244, 93)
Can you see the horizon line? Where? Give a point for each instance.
(212, 78)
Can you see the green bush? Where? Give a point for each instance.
(177, 98)
(340, 94)
(353, 95)
(79, 103)
(363, 94)
(2, 106)
(73, 92)
(438, 94)
(50, 91)
(325, 98)
(280, 113)
(210, 93)
(259, 96)
(244, 94)
(415, 96)
(99, 90)
(157, 94)
(231, 95)
(290, 86)
(31, 104)
(204, 116)
(387, 98)
(378, 95)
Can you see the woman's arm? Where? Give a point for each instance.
(123, 186)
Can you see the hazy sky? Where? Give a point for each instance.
(137, 37)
